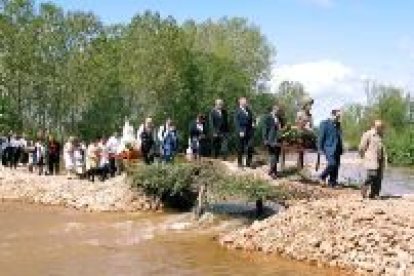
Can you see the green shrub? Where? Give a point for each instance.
(177, 185)
(400, 147)
(173, 184)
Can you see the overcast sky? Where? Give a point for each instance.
(329, 45)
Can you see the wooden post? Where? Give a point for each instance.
(259, 207)
(283, 160)
(202, 191)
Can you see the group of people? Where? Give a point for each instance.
(208, 136)
(42, 154)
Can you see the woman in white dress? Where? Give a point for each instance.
(68, 156)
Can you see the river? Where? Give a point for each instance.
(41, 240)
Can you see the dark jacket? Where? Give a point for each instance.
(244, 121)
(53, 149)
(198, 139)
(270, 130)
(195, 132)
(147, 140)
(219, 122)
(330, 138)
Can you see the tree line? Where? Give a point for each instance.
(68, 73)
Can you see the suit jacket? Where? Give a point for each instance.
(244, 120)
(196, 133)
(330, 138)
(270, 130)
(219, 122)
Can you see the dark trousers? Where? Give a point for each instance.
(332, 169)
(16, 155)
(103, 171)
(53, 164)
(40, 164)
(6, 157)
(148, 156)
(90, 174)
(374, 179)
(245, 148)
(274, 153)
(112, 166)
(217, 147)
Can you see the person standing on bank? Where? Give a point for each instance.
(68, 157)
(113, 144)
(219, 129)
(169, 143)
(198, 137)
(372, 150)
(330, 144)
(244, 123)
(271, 127)
(15, 151)
(147, 138)
(53, 155)
(304, 122)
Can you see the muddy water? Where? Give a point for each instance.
(38, 240)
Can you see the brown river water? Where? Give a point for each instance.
(40, 240)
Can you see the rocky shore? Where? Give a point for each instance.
(363, 236)
(112, 195)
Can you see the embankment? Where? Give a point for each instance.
(112, 195)
(368, 237)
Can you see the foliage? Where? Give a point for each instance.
(300, 137)
(68, 73)
(392, 106)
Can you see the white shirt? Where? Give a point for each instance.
(112, 144)
(200, 127)
(22, 143)
(14, 143)
(139, 132)
(104, 158)
(40, 150)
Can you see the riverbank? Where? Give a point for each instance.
(368, 237)
(113, 195)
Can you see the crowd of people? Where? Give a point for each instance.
(208, 136)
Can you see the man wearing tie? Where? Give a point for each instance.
(244, 123)
(219, 129)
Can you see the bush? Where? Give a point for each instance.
(177, 185)
(400, 148)
(174, 185)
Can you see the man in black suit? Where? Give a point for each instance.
(219, 129)
(244, 123)
(271, 128)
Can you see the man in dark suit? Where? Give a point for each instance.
(219, 129)
(270, 133)
(330, 144)
(198, 137)
(244, 123)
